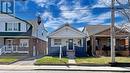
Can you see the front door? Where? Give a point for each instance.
(70, 44)
(9, 47)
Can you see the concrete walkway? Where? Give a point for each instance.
(63, 68)
(28, 61)
(71, 61)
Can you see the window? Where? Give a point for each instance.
(12, 26)
(16, 27)
(9, 27)
(24, 43)
(80, 42)
(57, 41)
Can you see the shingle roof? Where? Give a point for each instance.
(93, 29)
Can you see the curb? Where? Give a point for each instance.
(64, 70)
(84, 70)
(72, 65)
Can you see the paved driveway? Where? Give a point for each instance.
(28, 61)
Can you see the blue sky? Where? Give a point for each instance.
(78, 13)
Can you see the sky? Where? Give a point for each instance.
(78, 13)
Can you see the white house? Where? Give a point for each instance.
(72, 41)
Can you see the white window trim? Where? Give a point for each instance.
(59, 44)
(22, 41)
(81, 42)
(13, 25)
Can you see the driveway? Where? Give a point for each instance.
(28, 61)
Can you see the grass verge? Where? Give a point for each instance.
(51, 60)
(101, 60)
(8, 59)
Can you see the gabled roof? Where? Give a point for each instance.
(93, 29)
(3, 18)
(60, 29)
(101, 29)
(16, 17)
(118, 31)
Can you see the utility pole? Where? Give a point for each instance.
(112, 31)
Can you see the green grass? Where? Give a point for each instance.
(51, 60)
(8, 59)
(100, 60)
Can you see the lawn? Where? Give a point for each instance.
(51, 60)
(8, 59)
(100, 60)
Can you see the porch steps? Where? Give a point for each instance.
(71, 54)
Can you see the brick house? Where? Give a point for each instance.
(99, 40)
(19, 36)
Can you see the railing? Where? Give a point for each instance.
(2, 50)
(12, 49)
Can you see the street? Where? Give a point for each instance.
(41, 71)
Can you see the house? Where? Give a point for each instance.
(99, 40)
(72, 41)
(18, 36)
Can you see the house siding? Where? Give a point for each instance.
(79, 51)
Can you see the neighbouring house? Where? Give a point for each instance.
(19, 36)
(72, 41)
(99, 40)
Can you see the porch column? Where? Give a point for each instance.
(129, 41)
(93, 44)
(49, 45)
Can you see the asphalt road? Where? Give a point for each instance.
(57, 72)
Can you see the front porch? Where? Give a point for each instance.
(103, 46)
(14, 45)
(70, 47)
(6, 49)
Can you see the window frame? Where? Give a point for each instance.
(23, 41)
(57, 43)
(12, 27)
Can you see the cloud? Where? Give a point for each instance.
(107, 3)
(58, 12)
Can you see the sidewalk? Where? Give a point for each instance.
(63, 68)
(27, 61)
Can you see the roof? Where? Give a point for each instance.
(16, 17)
(35, 25)
(66, 26)
(93, 29)
(4, 17)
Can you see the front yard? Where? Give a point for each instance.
(101, 60)
(8, 59)
(11, 58)
(51, 60)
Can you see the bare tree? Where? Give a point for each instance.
(124, 11)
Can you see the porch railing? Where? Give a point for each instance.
(12, 49)
(2, 50)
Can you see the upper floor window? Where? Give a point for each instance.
(12, 26)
